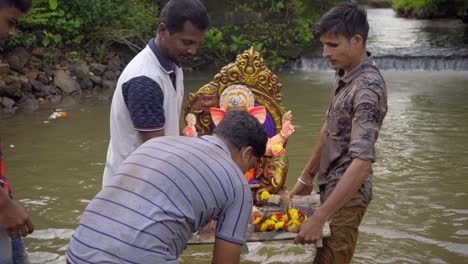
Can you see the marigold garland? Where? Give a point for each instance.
(278, 221)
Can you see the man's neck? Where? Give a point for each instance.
(359, 60)
(157, 43)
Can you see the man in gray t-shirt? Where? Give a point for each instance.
(167, 189)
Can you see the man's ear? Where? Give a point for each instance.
(246, 152)
(162, 29)
(357, 40)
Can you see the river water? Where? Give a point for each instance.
(419, 213)
(408, 44)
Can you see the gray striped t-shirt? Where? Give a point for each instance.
(165, 190)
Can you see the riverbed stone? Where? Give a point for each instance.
(96, 79)
(114, 63)
(18, 58)
(11, 89)
(42, 90)
(4, 68)
(26, 87)
(97, 68)
(7, 103)
(108, 84)
(54, 98)
(28, 102)
(43, 78)
(32, 74)
(80, 70)
(66, 82)
(109, 75)
(38, 51)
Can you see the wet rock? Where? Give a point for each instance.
(67, 102)
(26, 87)
(109, 75)
(86, 85)
(65, 81)
(96, 79)
(80, 70)
(28, 102)
(43, 78)
(4, 68)
(18, 58)
(35, 62)
(38, 51)
(32, 74)
(49, 72)
(42, 90)
(110, 85)
(7, 103)
(54, 99)
(114, 63)
(97, 68)
(11, 89)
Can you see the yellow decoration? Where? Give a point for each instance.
(257, 220)
(279, 226)
(265, 195)
(296, 222)
(277, 147)
(274, 218)
(292, 212)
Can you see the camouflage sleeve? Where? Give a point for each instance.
(369, 104)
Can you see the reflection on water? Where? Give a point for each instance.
(408, 44)
(419, 213)
(391, 35)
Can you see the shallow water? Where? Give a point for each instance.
(419, 213)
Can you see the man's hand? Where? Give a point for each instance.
(211, 226)
(311, 230)
(301, 189)
(14, 218)
(304, 185)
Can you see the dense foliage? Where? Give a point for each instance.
(430, 8)
(92, 24)
(279, 29)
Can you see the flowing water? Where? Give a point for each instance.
(419, 213)
(408, 44)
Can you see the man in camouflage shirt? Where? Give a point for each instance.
(345, 149)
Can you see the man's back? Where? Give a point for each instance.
(164, 191)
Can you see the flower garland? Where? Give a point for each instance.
(278, 221)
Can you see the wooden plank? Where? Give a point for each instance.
(209, 238)
(307, 203)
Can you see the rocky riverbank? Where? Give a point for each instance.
(29, 79)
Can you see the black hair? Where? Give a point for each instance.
(176, 12)
(241, 129)
(21, 5)
(346, 19)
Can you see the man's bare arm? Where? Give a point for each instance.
(304, 185)
(347, 186)
(226, 252)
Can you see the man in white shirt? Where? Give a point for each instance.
(148, 97)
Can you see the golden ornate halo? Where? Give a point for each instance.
(236, 96)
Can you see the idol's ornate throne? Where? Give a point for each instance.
(248, 70)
